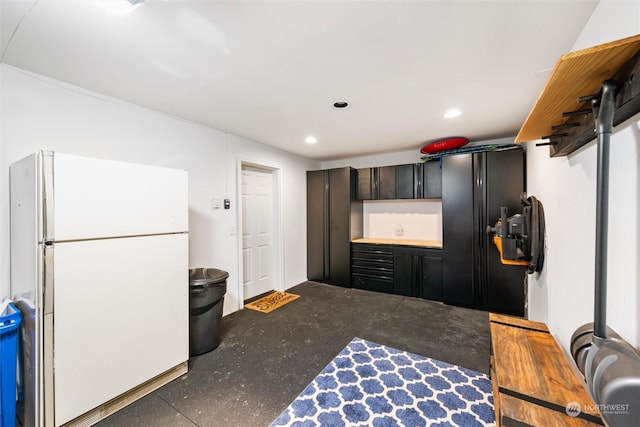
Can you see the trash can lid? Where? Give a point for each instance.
(207, 277)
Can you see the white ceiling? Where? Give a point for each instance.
(271, 70)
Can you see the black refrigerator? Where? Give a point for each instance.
(334, 218)
(474, 187)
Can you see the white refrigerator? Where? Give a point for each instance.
(99, 270)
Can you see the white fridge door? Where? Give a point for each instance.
(26, 286)
(121, 316)
(96, 198)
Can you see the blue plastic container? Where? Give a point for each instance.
(9, 323)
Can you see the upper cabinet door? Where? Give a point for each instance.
(387, 182)
(432, 180)
(367, 184)
(406, 183)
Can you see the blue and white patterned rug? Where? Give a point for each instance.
(369, 384)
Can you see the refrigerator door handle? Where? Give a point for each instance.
(48, 279)
(47, 196)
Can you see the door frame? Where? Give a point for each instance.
(278, 238)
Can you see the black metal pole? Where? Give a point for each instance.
(604, 127)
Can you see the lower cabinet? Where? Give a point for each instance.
(418, 272)
(400, 270)
(372, 267)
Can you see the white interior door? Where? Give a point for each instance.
(257, 231)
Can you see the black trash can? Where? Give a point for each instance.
(207, 287)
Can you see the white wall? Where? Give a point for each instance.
(403, 219)
(41, 113)
(562, 294)
(385, 159)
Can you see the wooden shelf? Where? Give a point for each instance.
(576, 74)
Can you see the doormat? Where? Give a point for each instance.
(272, 301)
(369, 384)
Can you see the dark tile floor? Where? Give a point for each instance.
(266, 360)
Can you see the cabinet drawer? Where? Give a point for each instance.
(372, 267)
(374, 264)
(372, 249)
(369, 283)
(372, 256)
(379, 273)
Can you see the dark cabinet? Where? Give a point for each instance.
(432, 276)
(411, 181)
(405, 275)
(418, 272)
(397, 182)
(458, 230)
(317, 217)
(431, 183)
(367, 184)
(406, 181)
(372, 267)
(474, 187)
(400, 270)
(334, 218)
(386, 182)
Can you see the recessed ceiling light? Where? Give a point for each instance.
(311, 139)
(341, 104)
(454, 112)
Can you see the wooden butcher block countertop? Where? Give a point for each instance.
(401, 242)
